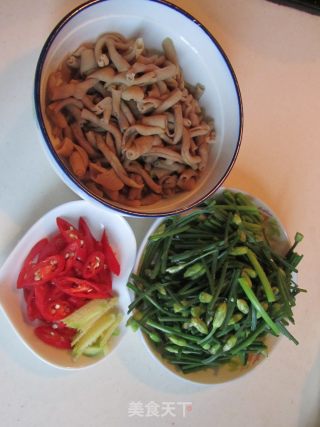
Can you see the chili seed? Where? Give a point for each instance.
(37, 276)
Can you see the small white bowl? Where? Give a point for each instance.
(202, 60)
(12, 302)
(225, 373)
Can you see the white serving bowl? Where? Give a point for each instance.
(202, 60)
(12, 302)
(225, 373)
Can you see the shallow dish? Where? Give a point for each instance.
(225, 373)
(11, 299)
(202, 60)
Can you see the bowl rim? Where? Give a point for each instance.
(77, 186)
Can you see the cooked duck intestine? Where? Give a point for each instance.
(125, 121)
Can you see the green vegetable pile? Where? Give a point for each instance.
(212, 285)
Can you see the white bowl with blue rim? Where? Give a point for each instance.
(202, 60)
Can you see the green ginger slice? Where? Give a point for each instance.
(85, 316)
(105, 337)
(93, 351)
(80, 333)
(99, 347)
(93, 333)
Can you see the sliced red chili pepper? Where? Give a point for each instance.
(111, 260)
(77, 269)
(99, 246)
(89, 240)
(52, 292)
(104, 279)
(93, 265)
(53, 336)
(43, 271)
(31, 258)
(77, 302)
(66, 332)
(81, 288)
(33, 312)
(59, 242)
(70, 255)
(52, 302)
(68, 231)
(53, 247)
(57, 309)
(74, 251)
(40, 293)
